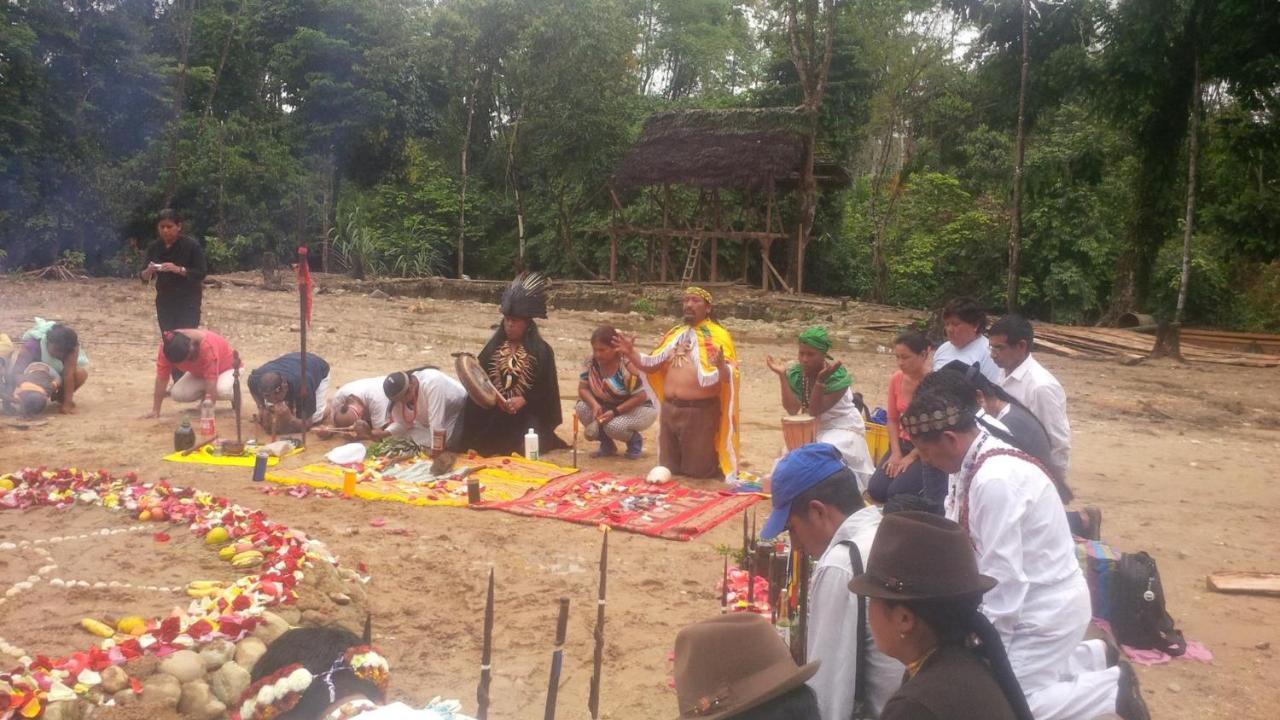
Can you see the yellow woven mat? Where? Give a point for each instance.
(206, 456)
(501, 479)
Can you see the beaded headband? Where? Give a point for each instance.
(280, 692)
(936, 421)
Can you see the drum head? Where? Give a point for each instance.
(475, 380)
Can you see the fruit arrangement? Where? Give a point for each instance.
(273, 556)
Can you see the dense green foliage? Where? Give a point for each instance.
(344, 124)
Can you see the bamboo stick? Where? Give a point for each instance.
(486, 656)
(597, 661)
(557, 661)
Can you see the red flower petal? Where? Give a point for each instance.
(161, 537)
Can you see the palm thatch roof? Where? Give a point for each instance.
(721, 148)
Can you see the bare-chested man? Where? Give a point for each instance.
(693, 375)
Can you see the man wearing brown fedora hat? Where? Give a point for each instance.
(1006, 501)
(736, 666)
(816, 499)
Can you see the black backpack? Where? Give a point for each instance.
(1138, 615)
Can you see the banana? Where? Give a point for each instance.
(248, 558)
(100, 629)
(227, 553)
(204, 584)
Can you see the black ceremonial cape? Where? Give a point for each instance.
(494, 432)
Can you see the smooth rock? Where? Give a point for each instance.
(1175, 687)
(115, 679)
(271, 627)
(198, 703)
(65, 710)
(291, 615)
(229, 682)
(184, 665)
(162, 689)
(340, 598)
(124, 697)
(1265, 645)
(248, 651)
(216, 654)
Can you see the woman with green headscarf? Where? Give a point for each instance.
(819, 386)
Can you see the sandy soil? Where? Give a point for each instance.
(1181, 459)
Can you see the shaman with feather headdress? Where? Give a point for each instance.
(522, 367)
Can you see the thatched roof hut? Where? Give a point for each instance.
(738, 148)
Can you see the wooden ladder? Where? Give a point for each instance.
(691, 264)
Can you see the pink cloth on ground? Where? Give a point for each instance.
(1195, 651)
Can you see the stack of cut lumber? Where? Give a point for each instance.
(1112, 343)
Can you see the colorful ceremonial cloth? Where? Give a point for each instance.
(664, 510)
(703, 337)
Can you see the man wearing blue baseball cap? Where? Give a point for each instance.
(816, 499)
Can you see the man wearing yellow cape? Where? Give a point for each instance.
(693, 376)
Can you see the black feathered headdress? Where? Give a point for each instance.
(526, 297)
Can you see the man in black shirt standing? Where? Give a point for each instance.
(177, 262)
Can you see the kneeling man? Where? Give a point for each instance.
(816, 499)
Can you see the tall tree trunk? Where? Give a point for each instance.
(330, 197)
(222, 63)
(1020, 152)
(462, 193)
(514, 179)
(1189, 223)
(179, 97)
(222, 177)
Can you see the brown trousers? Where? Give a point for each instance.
(687, 437)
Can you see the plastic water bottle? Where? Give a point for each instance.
(531, 445)
(207, 429)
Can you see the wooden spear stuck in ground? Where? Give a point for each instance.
(557, 661)
(597, 661)
(486, 656)
(724, 587)
(304, 316)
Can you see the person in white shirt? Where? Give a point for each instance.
(820, 386)
(361, 406)
(1028, 382)
(1041, 604)
(963, 319)
(423, 401)
(1024, 378)
(816, 499)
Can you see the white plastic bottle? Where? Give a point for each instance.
(531, 445)
(207, 429)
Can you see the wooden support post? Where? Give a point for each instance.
(666, 241)
(715, 240)
(613, 255)
(764, 264)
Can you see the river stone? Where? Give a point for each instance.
(125, 697)
(229, 682)
(248, 652)
(197, 702)
(114, 679)
(290, 615)
(184, 665)
(65, 710)
(216, 654)
(162, 689)
(271, 627)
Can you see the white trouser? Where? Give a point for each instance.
(191, 388)
(1063, 676)
(853, 446)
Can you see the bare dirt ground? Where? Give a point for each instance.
(1182, 459)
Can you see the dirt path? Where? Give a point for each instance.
(1181, 459)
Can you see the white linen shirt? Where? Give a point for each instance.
(441, 400)
(369, 390)
(978, 351)
(1020, 536)
(833, 626)
(1034, 386)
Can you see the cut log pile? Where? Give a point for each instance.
(1130, 346)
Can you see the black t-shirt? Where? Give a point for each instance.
(184, 252)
